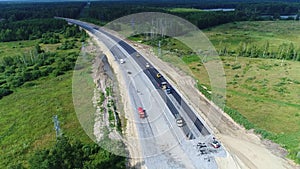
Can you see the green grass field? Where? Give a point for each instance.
(266, 92)
(183, 10)
(258, 33)
(26, 118)
(16, 48)
(26, 123)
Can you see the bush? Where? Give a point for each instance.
(50, 38)
(239, 118)
(2, 68)
(69, 154)
(190, 59)
(5, 92)
(265, 134)
(203, 91)
(45, 71)
(57, 72)
(236, 66)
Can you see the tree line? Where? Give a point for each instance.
(285, 51)
(29, 29)
(29, 21)
(270, 8)
(109, 11)
(244, 11)
(11, 12)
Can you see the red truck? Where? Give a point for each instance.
(141, 112)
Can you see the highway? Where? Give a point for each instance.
(164, 144)
(151, 74)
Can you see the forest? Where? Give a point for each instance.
(12, 15)
(246, 11)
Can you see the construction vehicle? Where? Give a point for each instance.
(215, 143)
(141, 112)
(158, 75)
(164, 85)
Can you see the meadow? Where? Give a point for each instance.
(16, 48)
(264, 91)
(27, 118)
(183, 10)
(26, 115)
(258, 33)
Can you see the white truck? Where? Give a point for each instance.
(166, 87)
(179, 120)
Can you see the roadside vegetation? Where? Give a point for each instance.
(69, 154)
(113, 115)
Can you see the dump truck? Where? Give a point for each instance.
(158, 75)
(164, 85)
(141, 112)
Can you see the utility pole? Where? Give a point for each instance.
(159, 48)
(56, 126)
(132, 24)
